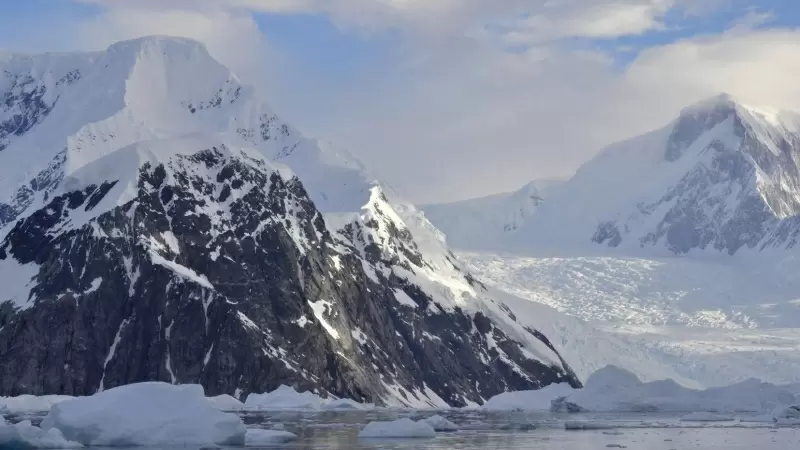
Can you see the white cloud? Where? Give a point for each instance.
(232, 37)
(483, 121)
(457, 115)
(529, 19)
(590, 20)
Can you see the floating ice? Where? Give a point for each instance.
(146, 414)
(703, 416)
(581, 425)
(539, 400)
(226, 403)
(257, 437)
(401, 428)
(286, 397)
(439, 423)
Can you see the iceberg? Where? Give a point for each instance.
(612, 389)
(286, 397)
(439, 423)
(539, 400)
(401, 428)
(146, 414)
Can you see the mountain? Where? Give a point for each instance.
(483, 223)
(722, 178)
(159, 222)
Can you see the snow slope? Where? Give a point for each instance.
(482, 223)
(146, 89)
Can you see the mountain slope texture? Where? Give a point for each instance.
(159, 222)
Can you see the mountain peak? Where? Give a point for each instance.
(722, 100)
(161, 42)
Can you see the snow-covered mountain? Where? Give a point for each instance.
(159, 222)
(722, 177)
(483, 223)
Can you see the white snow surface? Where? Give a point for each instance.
(482, 223)
(30, 403)
(146, 414)
(25, 435)
(400, 429)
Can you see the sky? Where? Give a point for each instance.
(454, 99)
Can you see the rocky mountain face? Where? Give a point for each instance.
(739, 187)
(160, 235)
(723, 177)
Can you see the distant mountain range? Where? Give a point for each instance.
(723, 177)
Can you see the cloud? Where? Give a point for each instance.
(455, 113)
(521, 19)
(479, 120)
(232, 37)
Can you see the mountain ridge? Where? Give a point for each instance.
(241, 274)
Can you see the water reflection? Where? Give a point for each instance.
(515, 431)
